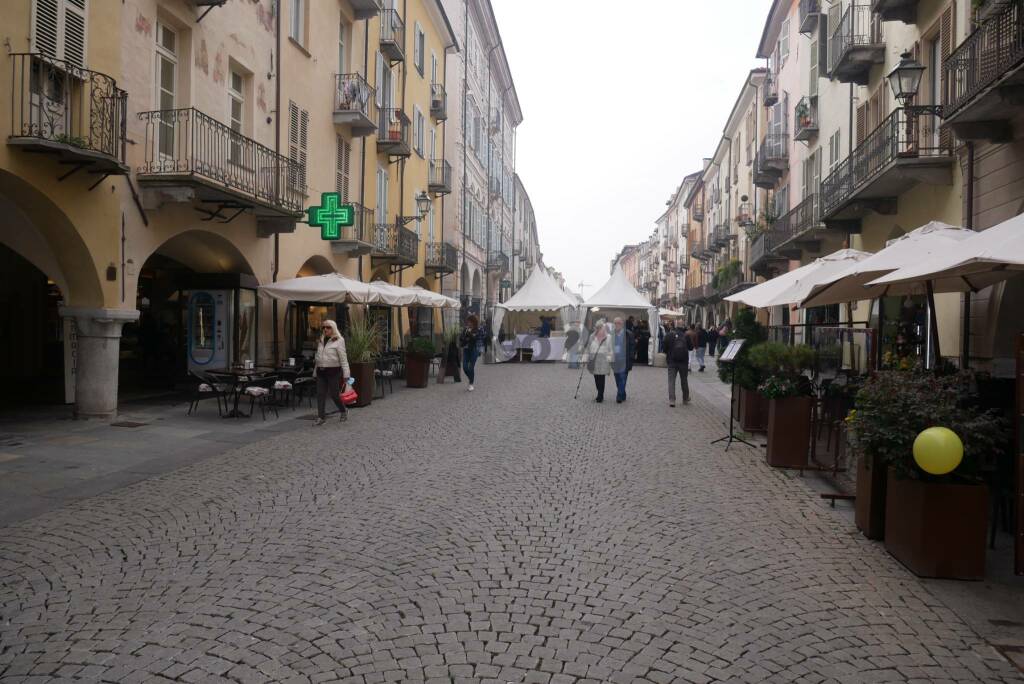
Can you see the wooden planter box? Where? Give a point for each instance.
(937, 529)
(789, 432)
(869, 507)
(362, 373)
(753, 411)
(417, 370)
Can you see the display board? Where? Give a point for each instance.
(731, 351)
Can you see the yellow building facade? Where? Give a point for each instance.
(160, 158)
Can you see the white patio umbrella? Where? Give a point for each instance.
(669, 313)
(985, 258)
(393, 295)
(851, 284)
(435, 300)
(793, 287)
(331, 287)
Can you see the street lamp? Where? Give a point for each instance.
(905, 79)
(422, 208)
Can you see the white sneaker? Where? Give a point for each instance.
(469, 389)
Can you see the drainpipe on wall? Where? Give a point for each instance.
(362, 163)
(965, 347)
(465, 169)
(276, 340)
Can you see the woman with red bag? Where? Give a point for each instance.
(331, 370)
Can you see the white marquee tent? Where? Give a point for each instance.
(618, 298)
(539, 296)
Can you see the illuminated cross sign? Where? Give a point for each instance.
(331, 216)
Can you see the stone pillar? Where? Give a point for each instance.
(98, 358)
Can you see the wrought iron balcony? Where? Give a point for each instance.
(772, 160)
(697, 212)
(855, 45)
(77, 115)
(395, 244)
(810, 11)
(357, 239)
(906, 149)
(982, 75)
(745, 215)
(722, 236)
(805, 119)
(185, 148)
(439, 177)
(797, 230)
(699, 251)
(392, 35)
(497, 261)
(354, 104)
(770, 88)
(441, 257)
(365, 9)
(896, 10)
(393, 133)
(438, 102)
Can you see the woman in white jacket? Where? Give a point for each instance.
(331, 370)
(598, 357)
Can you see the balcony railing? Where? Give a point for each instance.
(772, 160)
(354, 103)
(722, 235)
(358, 238)
(991, 53)
(393, 133)
(439, 177)
(797, 221)
(441, 257)
(805, 119)
(438, 102)
(770, 88)
(855, 45)
(907, 136)
(810, 10)
(895, 10)
(75, 113)
(188, 145)
(497, 261)
(745, 215)
(392, 35)
(395, 243)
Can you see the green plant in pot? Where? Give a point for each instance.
(418, 354)
(752, 408)
(933, 524)
(790, 400)
(362, 344)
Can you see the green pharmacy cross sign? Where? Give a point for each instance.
(331, 216)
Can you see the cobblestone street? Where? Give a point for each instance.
(508, 535)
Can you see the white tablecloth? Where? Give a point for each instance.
(548, 349)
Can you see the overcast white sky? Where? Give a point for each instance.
(620, 101)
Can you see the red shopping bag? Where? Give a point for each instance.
(349, 396)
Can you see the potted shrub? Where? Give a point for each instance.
(449, 355)
(789, 394)
(934, 525)
(417, 361)
(362, 344)
(752, 408)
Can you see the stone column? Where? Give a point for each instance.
(98, 358)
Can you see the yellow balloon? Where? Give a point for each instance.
(938, 450)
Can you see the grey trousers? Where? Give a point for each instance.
(683, 373)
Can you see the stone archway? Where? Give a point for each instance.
(315, 265)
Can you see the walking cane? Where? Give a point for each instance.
(579, 382)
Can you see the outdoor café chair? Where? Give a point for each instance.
(207, 387)
(304, 386)
(384, 372)
(261, 392)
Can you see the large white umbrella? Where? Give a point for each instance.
(393, 295)
(435, 300)
(852, 283)
(794, 286)
(331, 287)
(985, 258)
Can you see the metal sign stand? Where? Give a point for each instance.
(729, 356)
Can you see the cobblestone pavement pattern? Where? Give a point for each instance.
(509, 535)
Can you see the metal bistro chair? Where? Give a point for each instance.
(208, 387)
(304, 386)
(384, 372)
(261, 391)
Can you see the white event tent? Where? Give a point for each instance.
(539, 296)
(618, 298)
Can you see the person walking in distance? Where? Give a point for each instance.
(678, 345)
(598, 357)
(331, 370)
(469, 340)
(724, 333)
(702, 343)
(712, 339)
(624, 346)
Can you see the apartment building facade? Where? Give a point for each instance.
(161, 158)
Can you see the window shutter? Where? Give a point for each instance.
(946, 28)
(784, 42)
(379, 93)
(46, 28)
(303, 140)
(812, 84)
(862, 111)
(293, 141)
(341, 175)
(74, 32)
(58, 30)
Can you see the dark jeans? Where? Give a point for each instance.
(620, 385)
(469, 364)
(682, 372)
(328, 384)
(599, 384)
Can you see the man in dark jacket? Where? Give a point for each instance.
(624, 345)
(678, 345)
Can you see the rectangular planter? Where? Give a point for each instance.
(869, 507)
(365, 381)
(753, 411)
(417, 370)
(789, 432)
(937, 529)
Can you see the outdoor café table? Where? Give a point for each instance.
(240, 377)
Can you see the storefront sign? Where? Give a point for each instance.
(331, 216)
